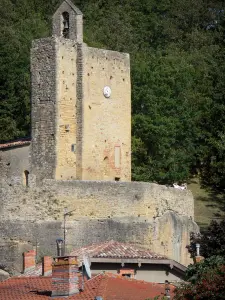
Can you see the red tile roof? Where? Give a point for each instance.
(15, 143)
(108, 286)
(109, 249)
(113, 249)
(115, 288)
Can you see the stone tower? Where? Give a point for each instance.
(81, 106)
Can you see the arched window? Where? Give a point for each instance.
(66, 25)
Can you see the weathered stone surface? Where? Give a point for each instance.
(107, 121)
(44, 111)
(11, 249)
(155, 216)
(77, 133)
(4, 275)
(94, 199)
(13, 163)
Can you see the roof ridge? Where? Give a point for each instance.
(94, 277)
(116, 249)
(72, 5)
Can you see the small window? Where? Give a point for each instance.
(129, 273)
(73, 148)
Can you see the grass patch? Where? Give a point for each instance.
(209, 205)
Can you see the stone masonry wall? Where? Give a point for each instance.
(13, 163)
(130, 212)
(95, 199)
(80, 115)
(43, 112)
(107, 121)
(66, 109)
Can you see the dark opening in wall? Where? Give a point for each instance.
(66, 25)
(26, 178)
(117, 178)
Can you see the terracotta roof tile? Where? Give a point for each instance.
(110, 249)
(115, 288)
(108, 286)
(113, 249)
(17, 143)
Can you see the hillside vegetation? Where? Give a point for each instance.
(178, 78)
(209, 204)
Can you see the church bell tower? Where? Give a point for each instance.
(81, 105)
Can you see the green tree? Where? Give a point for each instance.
(177, 71)
(205, 281)
(212, 240)
(20, 24)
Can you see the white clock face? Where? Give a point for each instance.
(107, 91)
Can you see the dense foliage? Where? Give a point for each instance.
(210, 285)
(178, 77)
(212, 240)
(205, 280)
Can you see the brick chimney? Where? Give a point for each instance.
(29, 262)
(198, 259)
(64, 276)
(46, 265)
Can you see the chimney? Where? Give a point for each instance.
(167, 289)
(198, 257)
(46, 265)
(65, 276)
(59, 243)
(29, 262)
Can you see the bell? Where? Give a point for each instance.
(66, 24)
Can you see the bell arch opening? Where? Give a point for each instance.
(66, 24)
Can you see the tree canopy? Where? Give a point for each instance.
(178, 78)
(212, 240)
(205, 280)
